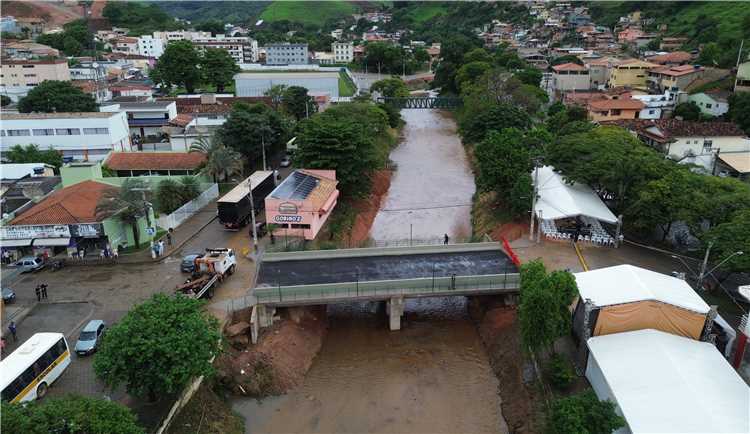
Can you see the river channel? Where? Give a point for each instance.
(433, 376)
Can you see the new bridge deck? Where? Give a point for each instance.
(316, 277)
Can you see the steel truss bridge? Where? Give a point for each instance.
(423, 102)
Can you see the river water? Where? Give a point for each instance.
(433, 376)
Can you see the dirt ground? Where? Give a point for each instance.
(281, 358)
(498, 328)
(54, 13)
(206, 412)
(367, 208)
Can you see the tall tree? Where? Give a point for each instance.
(298, 103)
(728, 238)
(218, 68)
(216, 27)
(159, 346)
(126, 203)
(392, 87)
(688, 111)
(502, 159)
(496, 118)
(221, 162)
(276, 93)
(69, 414)
(57, 96)
(178, 66)
(739, 109)
(168, 196)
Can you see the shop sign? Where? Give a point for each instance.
(287, 208)
(288, 218)
(87, 230)
(20, 232)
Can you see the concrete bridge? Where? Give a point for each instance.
(390, 274)
(423, 102)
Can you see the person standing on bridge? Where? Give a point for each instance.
(446, 239)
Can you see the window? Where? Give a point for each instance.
(44, 132)
(708, 105)
(616, 112)
(29, 75)
(13, 133)
(95, 131)
(300, 226)
(68, 132)
(651, 112)
(707, 145)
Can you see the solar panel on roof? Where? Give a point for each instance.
(297, 186)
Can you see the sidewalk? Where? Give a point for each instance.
(181, 235)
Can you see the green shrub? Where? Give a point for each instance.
(560, 372)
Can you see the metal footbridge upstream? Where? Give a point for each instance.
(389, 274)
(423, 102)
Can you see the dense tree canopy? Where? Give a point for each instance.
(739, 110)
(730, 237)
(390, 87)
(297, 102)
(159, 346)
(216, 27)
(251, 126)
(688, 111)
(73, 40)
(57, 96)
(498, 117)
(218, 68)
(346, 138)
(179, 65)
(70, 414)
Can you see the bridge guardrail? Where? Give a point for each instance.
(387, 288)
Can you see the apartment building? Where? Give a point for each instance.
(343, 52)
(150, 47)
(29, 73)
(632, 73)
(78, 136)
(674, 78)
(125, 45)
(180, 35)
(287, 54)
(243, 49)
(145, 118)
(570, 77)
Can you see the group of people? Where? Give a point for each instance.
(41, 292)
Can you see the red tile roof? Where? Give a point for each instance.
(568, 67)
(155, 160)
(671, 128)
(671, 58)
(70, 205)
(181, 120)
(223, 105)
(614, 104)
(677, 71)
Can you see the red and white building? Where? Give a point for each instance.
(302, 203)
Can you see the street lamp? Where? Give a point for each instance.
(703, 272)
(252, 217)
(684, 264)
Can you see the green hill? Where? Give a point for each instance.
(308, 12)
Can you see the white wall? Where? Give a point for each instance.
(81, 146)
(682, 145)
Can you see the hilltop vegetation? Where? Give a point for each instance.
(227, 11)
(312, 12)
(139, 18)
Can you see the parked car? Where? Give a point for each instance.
(9, 295)
(28, 264)
(285, 162)
(188, 262)
(90, 337)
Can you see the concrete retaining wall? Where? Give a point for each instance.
(380, 251)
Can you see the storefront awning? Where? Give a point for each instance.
(15, 243)
(50, 242)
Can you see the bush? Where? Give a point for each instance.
(560, 372)
(583, 414)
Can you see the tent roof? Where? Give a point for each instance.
(628, 284)
(559, 200)
(667, 383)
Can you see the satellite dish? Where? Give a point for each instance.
(744, 291)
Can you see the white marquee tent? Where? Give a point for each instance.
(558, 199)
(662, 383)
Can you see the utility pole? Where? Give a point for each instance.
(263, 147)
(533, 200)
(739, 57)
(702, 273)
(252, 217)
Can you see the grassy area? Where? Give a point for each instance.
(725, 84)
(307, 12)
(426, 10)
(728, 14)
(346, 87)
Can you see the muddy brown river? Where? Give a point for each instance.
(433, 376)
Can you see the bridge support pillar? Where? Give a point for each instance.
(265, 315)
(395, 311)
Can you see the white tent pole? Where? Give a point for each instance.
(533, 201)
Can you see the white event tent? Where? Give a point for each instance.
(662, 383)
(558, 199)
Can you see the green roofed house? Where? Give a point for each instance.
(67, 221)
(713, 102)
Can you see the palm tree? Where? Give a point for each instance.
(127, 204)
(221, 161)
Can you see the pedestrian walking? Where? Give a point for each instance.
(6, 257)
(446, 239)
(169, 239)
(38, 291)
(44, 291)
(161, 247)
(115, 252)
(12, 328)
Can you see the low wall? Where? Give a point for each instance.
(186, 211)
(380, 251)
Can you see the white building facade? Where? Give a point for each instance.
(343, 52)
(243, 49)
(78, 136)
(287, 54)
(150, 47)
